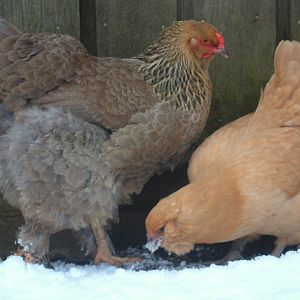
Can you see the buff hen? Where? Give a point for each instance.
(245, 178)
(89, 132)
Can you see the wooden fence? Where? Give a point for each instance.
(123, 28)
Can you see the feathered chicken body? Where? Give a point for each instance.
(60, 169)
(245, 178)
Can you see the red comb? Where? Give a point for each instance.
(220, 39)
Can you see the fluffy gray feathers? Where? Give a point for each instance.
(51, 168)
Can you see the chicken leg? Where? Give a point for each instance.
(103, 251)
(235, 253)
(33, 243)
(26, 255)
(280, 244)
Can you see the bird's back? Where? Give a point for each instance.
(33, 64)
(56, 70)
(216, 147)
(273, 134)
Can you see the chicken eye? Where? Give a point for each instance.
(206, 41)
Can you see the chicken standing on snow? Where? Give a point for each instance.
(245, 178)
(89, 131)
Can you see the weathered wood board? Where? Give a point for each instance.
(125, 28)
(295, 20)
(61, 16)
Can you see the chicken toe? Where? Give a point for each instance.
(104, 252)
(26, 255)
(113, 260)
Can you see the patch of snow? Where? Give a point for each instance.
(265, 277)
(154, 244)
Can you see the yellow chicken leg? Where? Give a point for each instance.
(103, 253)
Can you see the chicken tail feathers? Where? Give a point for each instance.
(7, 29)
(280, 100)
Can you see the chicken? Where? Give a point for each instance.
(244, 178)
(89, 132)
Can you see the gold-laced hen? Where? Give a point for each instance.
(88, 132)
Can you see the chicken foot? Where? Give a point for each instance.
(33, 240)
(235, 253)
(103, 252)
(26, 255)
(237, 248)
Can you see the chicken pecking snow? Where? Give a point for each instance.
(89, 131)
(245, 178)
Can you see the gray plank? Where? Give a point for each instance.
(249, 29)
(283, 20)
(60, 16)
(125, 28)
(88, 25)
(295, 20)
(184, 9)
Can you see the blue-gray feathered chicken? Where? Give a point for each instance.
(88, 132)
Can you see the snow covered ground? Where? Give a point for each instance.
(265, 278)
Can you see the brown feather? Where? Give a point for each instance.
(69, 170)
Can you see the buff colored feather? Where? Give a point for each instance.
(245, 178)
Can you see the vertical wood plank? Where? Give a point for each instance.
(88, 25)
(125, 28)
(184, 9)
(283, 18)
(60, 16)
(249, 28)
(295, 20)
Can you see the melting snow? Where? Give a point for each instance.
(153, 245)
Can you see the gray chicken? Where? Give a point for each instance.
(88, 132)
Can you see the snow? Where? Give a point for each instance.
(154, 244)
(265, 277)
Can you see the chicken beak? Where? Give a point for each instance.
(150, 237)
(223, 52)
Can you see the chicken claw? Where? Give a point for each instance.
(26, 256)
(114, 260)
(104, 252)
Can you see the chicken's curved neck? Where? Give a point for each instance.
(175, 77)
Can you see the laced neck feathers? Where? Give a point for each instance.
(174, 72)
